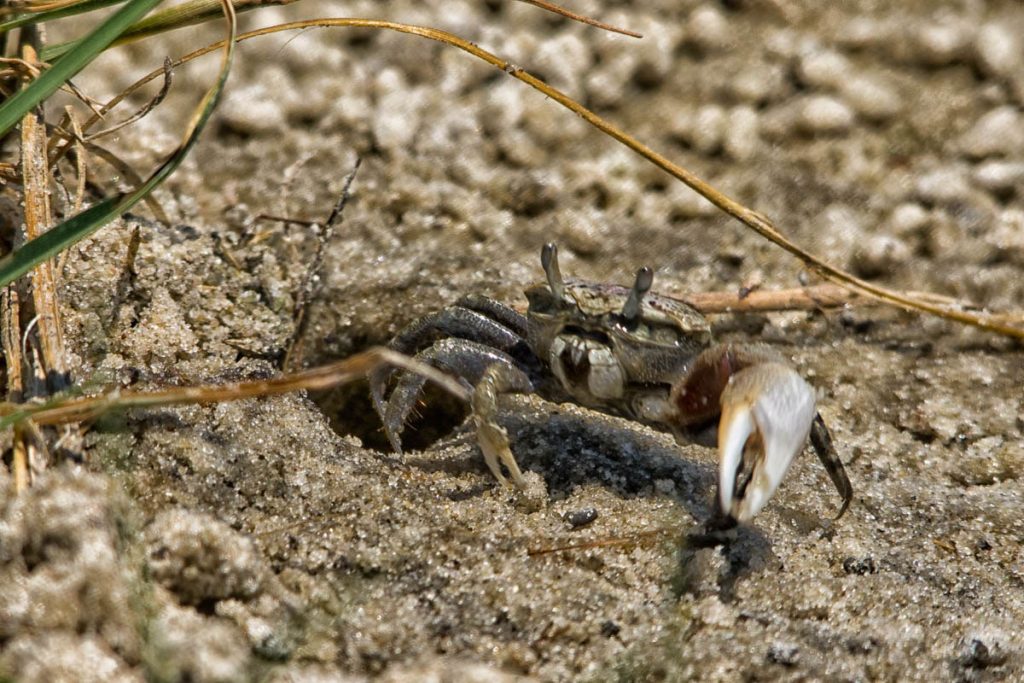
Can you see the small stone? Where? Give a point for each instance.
(192, 647)
(758, 83)
(908, 219)
(706, 129)
(565, 58)
(823, 69)
(1007, 237)
(880, 255)
(871, 98)
(859, 565)
(742, 136)
(941, 44)
(998, 51)
(1000, 132)
(609, 629)
(975, 653)
(252, 110)
(864, 32)
(943, 185)
(708, 29)
(581, 518)
(999, 176)
(824, 114)
(398, 117)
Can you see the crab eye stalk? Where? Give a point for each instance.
(642, 285)
(549, 260)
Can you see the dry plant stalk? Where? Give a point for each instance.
(1006, 323)
(43, 334)
(583, 19)
(300, 319)
(66, 410)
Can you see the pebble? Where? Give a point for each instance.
(707, 128)
(999, 132)
(859, 565)
(908, 219)
(1006, 238)
(741, 133)
(871, 98)
(824, 114)
(708, 29)
(943, 185)
(758, 84)
(999, 51)
(988, 461)
(880, 255)
(563, 60)
(399, 115)
(861, 33)
(941, 44)
(999, 176)
(581, 518)
(825, 69)
(714, 612)
(252, 110)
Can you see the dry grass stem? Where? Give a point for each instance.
(551, 7)
(293, 356)
(65, 410)
(1007, 324)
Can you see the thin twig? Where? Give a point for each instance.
(1000, 323)
(293, 356)
(63, 410)
(824, 296)
(36, 183)
(149, 106)
(551, 7)
(285, 219)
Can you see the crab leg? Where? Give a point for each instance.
(465, 359)
(455, 322)
(822, 442)
(497, 379)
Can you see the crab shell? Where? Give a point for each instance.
(654, 349)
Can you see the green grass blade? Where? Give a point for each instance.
(34, 252)
(188, 13)
(69, 11)
(83, 52)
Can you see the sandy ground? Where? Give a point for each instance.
(278, 540)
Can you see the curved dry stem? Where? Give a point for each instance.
(759, 223)
(64, 410)
(583, 19)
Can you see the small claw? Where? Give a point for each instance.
(493, 441)
(767, 411)
(493, 438)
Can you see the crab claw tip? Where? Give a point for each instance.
(767, 412)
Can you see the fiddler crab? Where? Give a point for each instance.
(627, 352)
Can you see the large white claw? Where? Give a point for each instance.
(767, 411)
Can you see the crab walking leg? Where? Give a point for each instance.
(455, 322)
(767, 413)
(822, 442)
(497, 379)
(465, 359)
